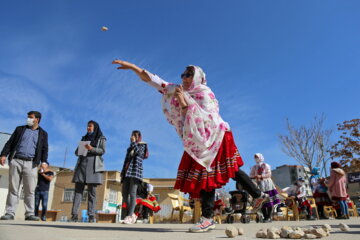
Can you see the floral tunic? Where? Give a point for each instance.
(202, 129)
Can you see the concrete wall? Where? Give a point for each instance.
(286, 175)
(281, 176)
(163, 186)
(4, 175)
(4, 183)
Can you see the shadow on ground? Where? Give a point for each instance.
(99, 228)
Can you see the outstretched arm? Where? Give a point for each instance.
(130, 66)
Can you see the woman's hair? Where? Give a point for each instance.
(190, 69)
(136, 133)
(335, 165)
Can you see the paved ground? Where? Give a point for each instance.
(16, 230)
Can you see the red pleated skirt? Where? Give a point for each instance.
(192, 177)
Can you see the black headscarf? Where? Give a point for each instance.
(93, 137)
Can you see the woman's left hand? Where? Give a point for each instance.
(88, 147)
(179, 94)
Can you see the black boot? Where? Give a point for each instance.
(264, 211)
(270, 213)
(310, 217)
(74, 218)
(91, 219)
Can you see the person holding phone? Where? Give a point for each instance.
(132, 174)
(88, 170)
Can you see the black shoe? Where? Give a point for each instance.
(91, 219)
(32, 218)
(309, 217)
(344, 216)
(267, 220)
(43, 218)
(7, 217)
(74, 218)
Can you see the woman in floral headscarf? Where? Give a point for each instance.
(261, 173)
(211, 157)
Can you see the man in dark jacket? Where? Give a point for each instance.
(26, 149)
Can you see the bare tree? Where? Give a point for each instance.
(309, 146)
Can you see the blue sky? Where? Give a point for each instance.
(265, 60)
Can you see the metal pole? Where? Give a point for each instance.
(65, 157)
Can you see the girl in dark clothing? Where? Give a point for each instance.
(132, 174)
(88, 170)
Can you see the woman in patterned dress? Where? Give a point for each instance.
(261, 173)
(210, 156)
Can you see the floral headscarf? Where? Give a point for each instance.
(259, 158)
(202, 129)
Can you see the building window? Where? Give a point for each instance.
(112, 196)
(69, 194)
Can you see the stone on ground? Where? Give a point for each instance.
(326, 226)
(261, 233)
(343, 227)
(241, 231)
(319, 232)
(296, 234)
(310, 236)
(231, 231)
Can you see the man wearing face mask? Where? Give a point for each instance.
(26, 149)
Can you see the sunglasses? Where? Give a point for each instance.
(186, 75)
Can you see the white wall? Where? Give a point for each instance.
(4, 182)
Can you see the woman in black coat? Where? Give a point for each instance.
(88, 170)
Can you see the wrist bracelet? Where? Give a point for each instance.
(184, 107)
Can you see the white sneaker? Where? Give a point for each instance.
(128, 220)
(133, 218)
(204, 225)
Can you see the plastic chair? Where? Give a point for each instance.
(330, 211)
(352, 209)
(84, 215)
(293, 210)
(177, 205)
(314, 206)
(283, 215)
